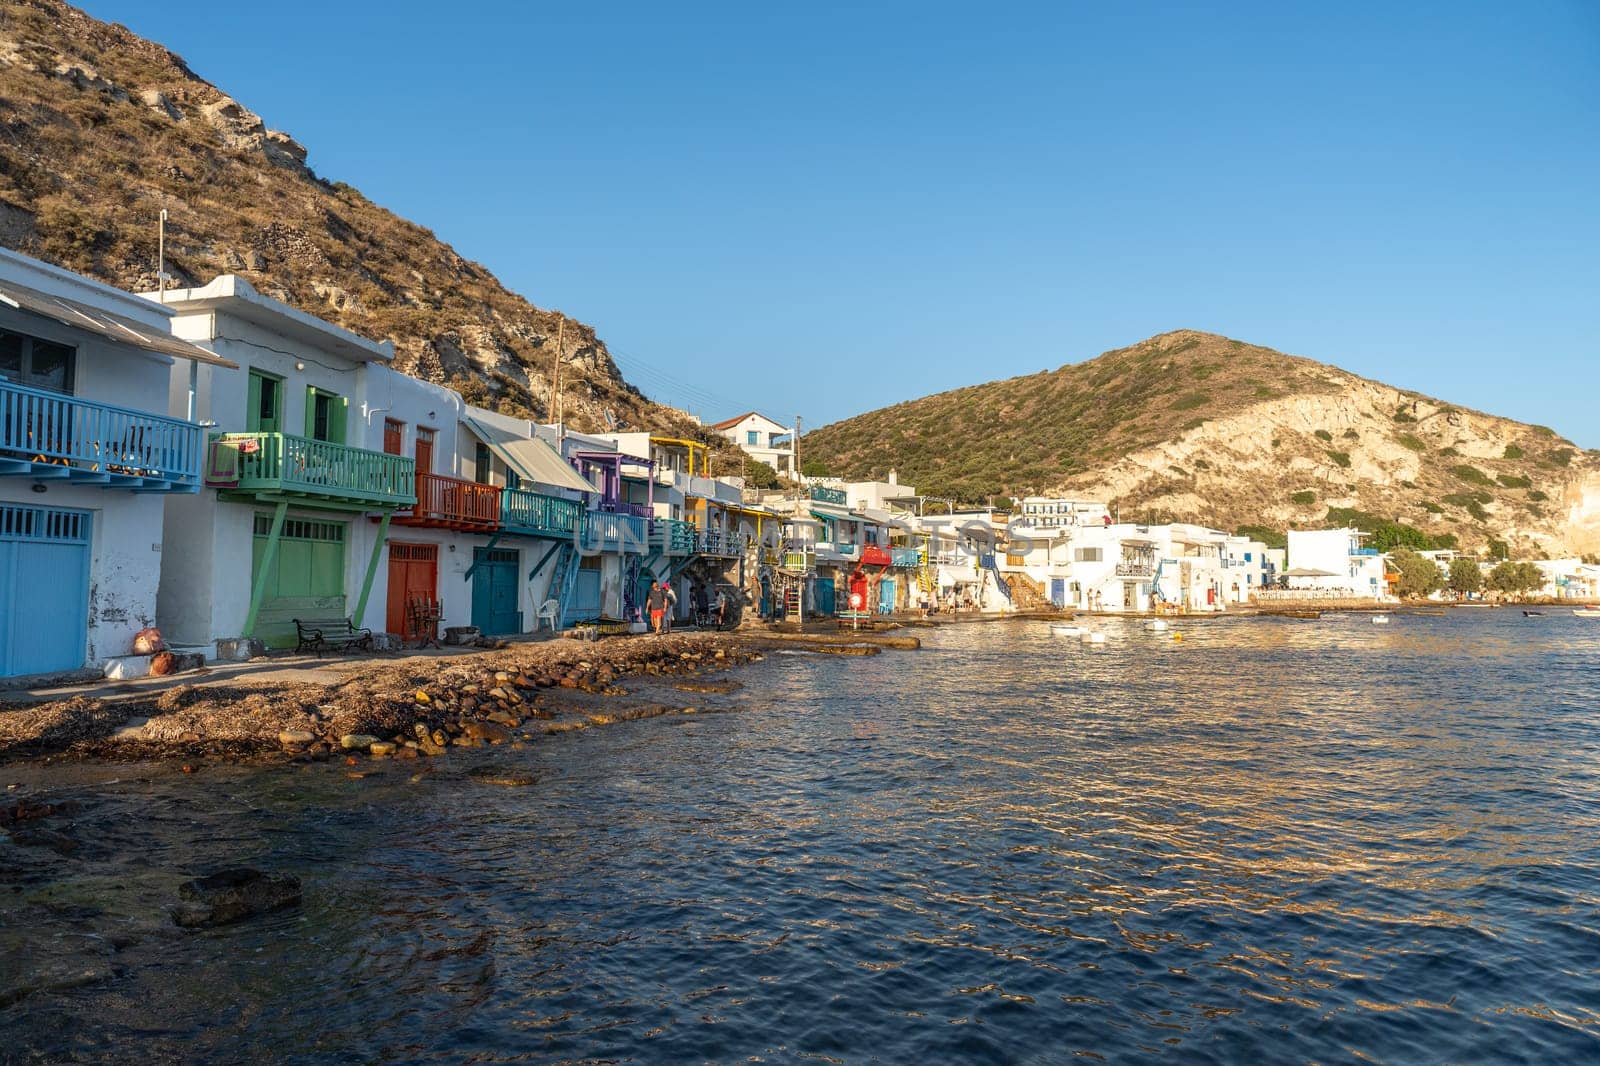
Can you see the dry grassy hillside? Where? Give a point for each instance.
(1193, 426)
(100, 129)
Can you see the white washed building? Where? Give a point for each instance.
(88, 456)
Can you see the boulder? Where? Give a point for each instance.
(493, 732)
(233, 895)
(293, 737)
(352, 741)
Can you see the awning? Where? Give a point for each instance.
(1302, 571)
(112, 327)
(530, 457)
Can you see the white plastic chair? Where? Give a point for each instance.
(551, 610)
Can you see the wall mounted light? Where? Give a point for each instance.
(39, 486)
(299, 366)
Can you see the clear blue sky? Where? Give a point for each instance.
(821, 210)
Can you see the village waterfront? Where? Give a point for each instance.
(1308, 839)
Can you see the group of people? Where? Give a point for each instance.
(662, 599)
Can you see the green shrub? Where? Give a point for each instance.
(1272, 538)
(1471, 474)
(1449, 452)
(1561, 456)
(1190, 400)
(1341, 459)
(1511, 481)
(1303, 498)
(1544, 431)
(1419, 575)
(1537, 495)
(1513, 452)
(1402, 415)
(1323, 434)
(1385, 535)
(1265, 393)
(1351, 434)
(1446, 540)
(1431, 507)
(1412, 441)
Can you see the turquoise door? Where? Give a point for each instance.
(585, 596)
(824, 595)
(886, 596)
(494, 591)
(1058, 591)
(44, 589)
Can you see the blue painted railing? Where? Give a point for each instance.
(117, 442)
(535, 514)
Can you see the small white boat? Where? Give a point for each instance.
(1156, 625)
(1587, 612)
(1380, 619)
(1063, 630)
(1092, 638)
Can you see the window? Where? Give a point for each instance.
(752, 437)
(481, 468)
(36, 362)
(1087, 555)
(394, 435)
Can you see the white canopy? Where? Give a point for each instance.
(531, 458)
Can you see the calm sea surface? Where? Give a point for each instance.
(1275, 840)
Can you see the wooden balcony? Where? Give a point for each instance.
(454, 503)
(51, 436)
(533, 514)
(672, 536)
(280, 467)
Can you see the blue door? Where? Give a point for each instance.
(44, 589)
(494, 591)
(1058, 591)
(824, 595)
(886, 596)
(585, 597)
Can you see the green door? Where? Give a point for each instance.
(494, 591)
(326, 415)
(307, 579)
(264, 410)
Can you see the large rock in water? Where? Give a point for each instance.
(233, 895)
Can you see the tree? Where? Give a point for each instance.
(1505, 578)
(1530, 577)
(759, 475)
(814, 468)
(1419, 575)
(1466, 576)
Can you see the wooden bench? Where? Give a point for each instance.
(320, 635)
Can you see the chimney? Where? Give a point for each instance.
(894, 478)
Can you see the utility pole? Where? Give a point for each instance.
(555, 381)
(161, 257)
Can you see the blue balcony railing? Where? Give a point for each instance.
(48, 435)
(537, 515)
(607, 531)
(671, 536)
(905, 557)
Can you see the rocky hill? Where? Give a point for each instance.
(100, 129)
(1196, 427)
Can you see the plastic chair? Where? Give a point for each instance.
(548, 609)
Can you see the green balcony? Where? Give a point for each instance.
(278, 467)
(533, 514)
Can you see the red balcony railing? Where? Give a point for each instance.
(454, 503)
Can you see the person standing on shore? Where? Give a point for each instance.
(671, 605)
(656, 603)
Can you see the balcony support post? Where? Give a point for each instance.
(269, 559)
(372, 567)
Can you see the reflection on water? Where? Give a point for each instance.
(1295, 839)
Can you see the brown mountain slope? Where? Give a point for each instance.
(1193, 426)
(100, 129)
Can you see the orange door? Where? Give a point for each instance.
(424, 450)
(413, 571)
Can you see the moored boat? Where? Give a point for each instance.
(1591, 611)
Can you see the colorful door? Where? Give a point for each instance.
(424, 450)
(306, 580)
(586, 591)
(1058, 591)
(494, 591)
(886, 596)
(824, 595)
(44, 589)
(264, 410)
(413, 572)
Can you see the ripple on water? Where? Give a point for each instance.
(1277, 838)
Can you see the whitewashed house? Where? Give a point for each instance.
(295, 511)
(761, 438)
(88, 457)
(1334, 562)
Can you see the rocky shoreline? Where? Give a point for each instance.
(417, 709)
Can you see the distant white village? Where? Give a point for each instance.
(244, 476)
